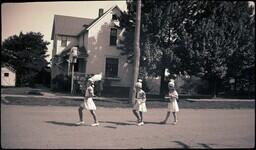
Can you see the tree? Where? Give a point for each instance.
(242, 53)
(26, 53)
(203, 38)
(161, 22)
(223, 42)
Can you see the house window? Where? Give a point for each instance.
(64, 41)
(6, 74)
(111, 69)
(113, 36)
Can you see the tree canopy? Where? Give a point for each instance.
(210, 39)
(26, 53)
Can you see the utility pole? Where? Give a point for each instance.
(72, 77)
(137, 51)
(73, 57)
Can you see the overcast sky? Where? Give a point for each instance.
(38, 16)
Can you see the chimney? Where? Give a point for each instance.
(101, 10)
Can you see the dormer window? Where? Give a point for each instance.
(63, 41)
(114, 17)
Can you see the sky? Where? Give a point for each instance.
(38, 16)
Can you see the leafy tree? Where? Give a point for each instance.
(242, 53)
(26, 53)
(162, 21)
(203, 38)
(223, 42)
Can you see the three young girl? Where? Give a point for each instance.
(139, 106)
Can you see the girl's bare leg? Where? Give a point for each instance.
(166, 118)
(80, 112)
(175, 116)
(136, 115)
(141, 117)
(94, 116)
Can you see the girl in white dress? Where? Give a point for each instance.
(88, 104)
(172, 105)
(140, 103)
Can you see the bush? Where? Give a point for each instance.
(61, 83)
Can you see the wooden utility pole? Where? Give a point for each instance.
(137, 51)
(72, 77)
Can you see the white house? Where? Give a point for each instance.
(96, 41)
(8, 76)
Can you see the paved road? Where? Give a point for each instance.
(53, 127)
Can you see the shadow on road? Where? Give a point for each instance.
(185, 146)
(117, 123)
(149, 122)
(61, 123)
(112, 127)
(205, 145)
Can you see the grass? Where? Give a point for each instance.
(124, 104)
(157, 102)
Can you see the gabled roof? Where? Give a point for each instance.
(99, 18)
(67, 25)
(74, 26)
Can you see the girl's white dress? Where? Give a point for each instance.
(140, 101)
(173, 104)
(88, 103)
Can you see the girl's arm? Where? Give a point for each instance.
(143, 97)
(91, 94)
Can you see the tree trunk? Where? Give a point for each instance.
(163, 86)
(137, 51)
(215, 87)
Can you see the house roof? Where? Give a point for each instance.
(74, 26)
(8, 66)
(67, 25)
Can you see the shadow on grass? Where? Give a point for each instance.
(61, 123)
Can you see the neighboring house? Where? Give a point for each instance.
(96, 41)
(8, 76)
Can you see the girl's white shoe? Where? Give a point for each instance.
(175, 122)
(95, 124)
(141, 123)
(80, 123)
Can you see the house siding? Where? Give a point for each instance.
(70, 40)
(83, 40)
(10, 80)
(99, 49)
